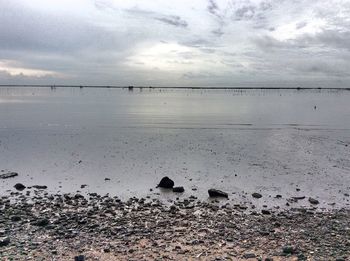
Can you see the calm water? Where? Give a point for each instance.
(240, 141)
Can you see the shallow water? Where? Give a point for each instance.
(240, 141)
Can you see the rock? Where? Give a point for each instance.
(265, 212)
(40, 187)
(83, 186)
(8, 175)
(107, 179)
(299, 198)
(19, 186)
(249, 255)
(288, 249)
(4, 241)
(217, 193)
(15, 218)
(268, 259)
(313, 201)
(278, 196)
(79, 258)
(41, 222)
(178, 189)
(256, 195)
(166, 183)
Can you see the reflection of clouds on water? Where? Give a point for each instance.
(265, 141)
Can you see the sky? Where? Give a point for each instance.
(176, 43)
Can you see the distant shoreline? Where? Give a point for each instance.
(172, 87)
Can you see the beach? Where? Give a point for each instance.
(89, 161)
(64, 227)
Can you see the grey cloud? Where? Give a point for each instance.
(173, 20)
(37, 32)
(332, 38)
(213, 8)
(218, 32)
(245, 12)
(301, 25)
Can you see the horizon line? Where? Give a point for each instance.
(175, 87)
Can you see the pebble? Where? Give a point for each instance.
(256, 195)
(313, 201)
(249, 255)
(4, 241)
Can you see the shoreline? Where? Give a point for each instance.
(63, 226)
(130, 88)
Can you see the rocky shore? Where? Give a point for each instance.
(36, 225)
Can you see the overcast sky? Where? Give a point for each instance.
(176, 43)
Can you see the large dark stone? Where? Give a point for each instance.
(179, 189)
(8, 175)
(166, 183)
(19, 186)
(217, 193)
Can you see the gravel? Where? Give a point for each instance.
(63, 227)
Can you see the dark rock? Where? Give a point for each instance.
(278, 196)
(265, 212)
(8, 175)
(249, 255)
(19, 186)
(4, 241)
(268, 259)
(83, 186)
(39, 187)
(178, 189)
(41, 222)
(166, 183)
(313, 201)
(79, 258)
(217, 193)
(107, 179)
(288, 250)
(299, 198)
(15, 218)
(256, 195)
